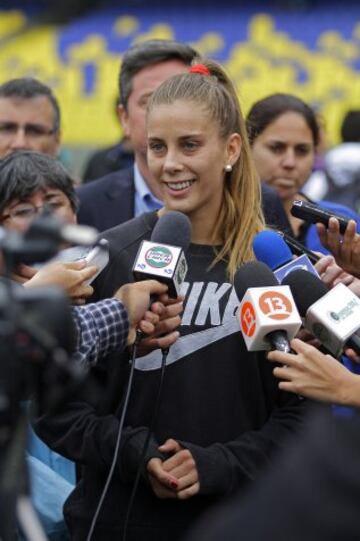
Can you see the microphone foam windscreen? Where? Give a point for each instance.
(253, 274)
(306, 289)
(271, 249)
(173, 228)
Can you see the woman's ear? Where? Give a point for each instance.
(233, 148)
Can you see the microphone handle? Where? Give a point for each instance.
(279, 341)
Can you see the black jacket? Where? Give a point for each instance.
(218, 400)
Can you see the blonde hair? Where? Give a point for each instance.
(240, 216)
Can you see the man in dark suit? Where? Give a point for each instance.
(121, 195)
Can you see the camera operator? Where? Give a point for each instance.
(29, 182)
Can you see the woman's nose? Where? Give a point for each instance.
(172, 162)
(289, 159)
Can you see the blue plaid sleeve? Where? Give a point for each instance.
(102, 327)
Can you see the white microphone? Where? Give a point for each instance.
(268, 315)
(79, 234)
(163, 258)
(332, 316)
(270, 248)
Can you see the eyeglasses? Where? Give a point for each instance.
(26, 212)
(32, 131)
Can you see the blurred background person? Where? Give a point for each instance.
(29, 117)
(109, 159)
(284, 133)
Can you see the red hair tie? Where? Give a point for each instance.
(199, 68)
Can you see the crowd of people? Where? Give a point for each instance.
(226, 417)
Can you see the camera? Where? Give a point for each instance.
(37, 340)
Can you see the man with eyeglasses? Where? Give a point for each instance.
(29, 117)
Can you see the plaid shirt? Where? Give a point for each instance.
(101, 327)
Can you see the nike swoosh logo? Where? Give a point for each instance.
(185, 345)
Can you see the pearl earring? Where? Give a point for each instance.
(228, 168)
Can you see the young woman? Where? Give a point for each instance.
(284, 133)
(221, 414)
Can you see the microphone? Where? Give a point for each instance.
(48, 226)
(333, 316)
(163, 258)
(272, 250)
(42, 239)
(267, 312)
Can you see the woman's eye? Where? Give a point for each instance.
(156, 147)
(302, 151)
(190, 145)
(276, 149)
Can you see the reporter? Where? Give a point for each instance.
(284, 135)
(312, 374)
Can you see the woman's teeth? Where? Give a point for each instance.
(180, 185)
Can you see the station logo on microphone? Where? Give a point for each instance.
(275, 305)
(158, 257)
(248, 319)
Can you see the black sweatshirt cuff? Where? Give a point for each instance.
(213, 468)
(132, 451)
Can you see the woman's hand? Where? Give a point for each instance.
(330, 273)
(71, 277)
(345, 248)
(164, 335)
(182, 466)
(176, 477)
(312, 374)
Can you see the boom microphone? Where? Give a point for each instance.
(333, 316)
(163, 258)
(271, 249)
(268, 314)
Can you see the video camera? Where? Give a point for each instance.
(37, 340)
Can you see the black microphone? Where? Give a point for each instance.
(333, 316)
(163, 257)
(268, 315)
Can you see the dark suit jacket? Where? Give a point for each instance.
(109, 201)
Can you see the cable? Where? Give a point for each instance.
(165, 352)
(117, 445)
